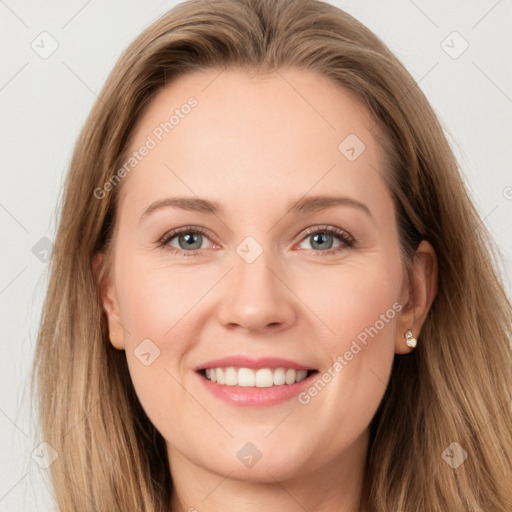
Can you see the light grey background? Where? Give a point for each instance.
(44, 102)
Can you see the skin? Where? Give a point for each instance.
(253, 144)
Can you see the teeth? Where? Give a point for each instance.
(301, 375)
(230, 377)
(279, 376)
(290, 376)
(262, 378)
(246, 377)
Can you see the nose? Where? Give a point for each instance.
(256, 297)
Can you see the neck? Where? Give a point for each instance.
(334, 487)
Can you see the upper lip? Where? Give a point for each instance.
(240, 361)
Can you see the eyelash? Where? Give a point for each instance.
(342, 236)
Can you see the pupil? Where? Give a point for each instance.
(322, 237)
(191, 239)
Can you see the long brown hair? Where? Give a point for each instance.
(454, 388)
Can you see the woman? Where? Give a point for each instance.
(195, 355)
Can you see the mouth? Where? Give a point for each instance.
(259, 382)
(255, 378)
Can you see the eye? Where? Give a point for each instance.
(322, 239)
(187, 241)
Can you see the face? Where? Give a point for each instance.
(256, 246)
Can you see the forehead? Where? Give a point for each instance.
(256, 136)
(224, 99)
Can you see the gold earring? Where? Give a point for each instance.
(410, 339)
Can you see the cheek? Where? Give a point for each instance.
(366, 311)
(155, 305)
(154, 298)
(160, 308)
(352, 299)
(360, 307)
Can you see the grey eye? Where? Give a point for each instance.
(187, 241)
(321, 241)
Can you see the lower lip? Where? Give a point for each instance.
(259, 397)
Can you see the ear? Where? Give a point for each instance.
(419, 291)
(109, 302)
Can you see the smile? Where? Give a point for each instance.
(252, 378)
(244, 381)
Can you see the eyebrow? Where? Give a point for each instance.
(299, 206)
